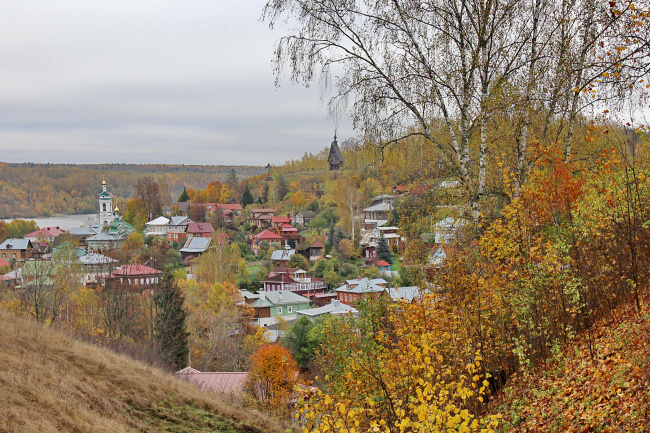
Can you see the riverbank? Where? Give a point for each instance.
(64, 222)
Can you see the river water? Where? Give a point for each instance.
(64, 222)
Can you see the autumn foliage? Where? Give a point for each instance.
(272, 377)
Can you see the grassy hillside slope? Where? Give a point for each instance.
(600, 383)
(50, 382)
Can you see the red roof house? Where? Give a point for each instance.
(267, 235)
(137, 275)
(279, 221)
(46, 233)
(199, 230)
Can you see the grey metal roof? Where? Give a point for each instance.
(281, 297)
(373, 281)
(404, 293)
(178, 220)
(14, 274)
(363, 285)
(379, 207)
(96, 259)
(306, 214)
(160, 221)
(335, 307)
(15, 244)
(86, 231)
(196, 245)
(103, 236)
(282, 254)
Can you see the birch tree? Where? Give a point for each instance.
(402, 68)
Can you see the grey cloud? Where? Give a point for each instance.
(149, 81)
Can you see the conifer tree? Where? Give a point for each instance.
(170, 331)
(184, 196)
(246, 197)
(383, 250)
(331, 238)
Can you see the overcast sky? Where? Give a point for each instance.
(150, 81)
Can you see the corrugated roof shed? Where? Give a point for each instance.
(282, 255)
(196, 245)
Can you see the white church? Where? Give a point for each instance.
(106, 212)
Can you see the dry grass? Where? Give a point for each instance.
(50, 382)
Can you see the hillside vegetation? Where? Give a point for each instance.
(36, 190)
(599, 382)
(50, 382)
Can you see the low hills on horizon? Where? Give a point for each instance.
(32, 190)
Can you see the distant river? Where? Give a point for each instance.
(65, 222)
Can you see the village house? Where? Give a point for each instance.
(177, 228)
(281, 257)
(156, 227)
(303, 217)
(18, 249)
(199, 230)
(37, 273)
(113, 238)
(223, 216)
(355, 290)
(295, 280)
(269, 306)
(277, 222)
(376, 215)
(314, 251)
(234, 208)
(273, 239)
(193, 248)
(80, 234)
(47, 234)
(260, 217)
(95, 266)
(137, 275)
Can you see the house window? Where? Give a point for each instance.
(290, 309)
(279, 310)
(4, 255)
(14, 255)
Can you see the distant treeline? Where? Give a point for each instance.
(36, 190)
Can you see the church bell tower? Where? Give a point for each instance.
(106, 214)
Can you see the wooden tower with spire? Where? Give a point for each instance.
(335, 158)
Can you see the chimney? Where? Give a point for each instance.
(262, 294)
(336, 302)
(358, 277)
(280, 295)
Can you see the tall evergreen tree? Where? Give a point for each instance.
(170, 331)
(184, 196)
(383, 250)
(246, 197)
(331, 238)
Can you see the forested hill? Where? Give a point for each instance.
(32, 190)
